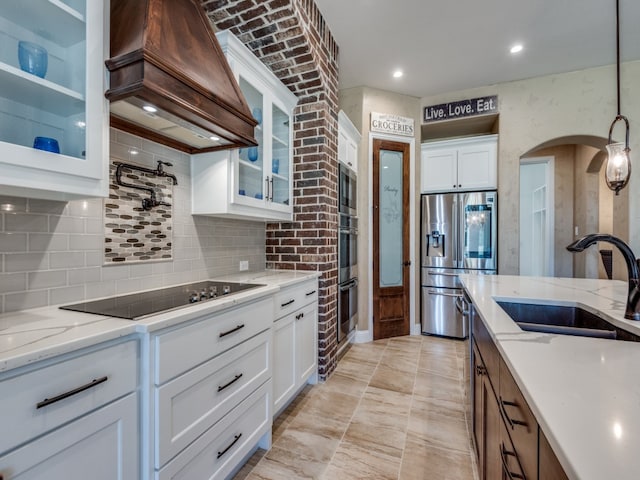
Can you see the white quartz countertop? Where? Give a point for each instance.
(584, 392)
(36, 334)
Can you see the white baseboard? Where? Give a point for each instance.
(363, 336)
(416, 329)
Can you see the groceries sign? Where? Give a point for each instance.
(463, 108)
(392, 124)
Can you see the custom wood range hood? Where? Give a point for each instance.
(170, 81)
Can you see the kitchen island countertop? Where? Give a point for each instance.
(36, 334)
(584, 392)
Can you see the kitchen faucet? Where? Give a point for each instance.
(633, 300)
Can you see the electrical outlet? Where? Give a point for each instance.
(244, 265)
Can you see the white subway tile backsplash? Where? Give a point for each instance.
(80, 276)
(12, 204)
(53, 252)
(24, 300)
(65, 295)
(115, 272)
(100, 289)
(66, 225)
(86, 242)
(26, 222)
(140, 270)
(66, 259)
(13, 242)
(13, 282)
(46, 206)
(128, 285)
(25, 262)
(51, 242)
(47, 279)
(91, 208)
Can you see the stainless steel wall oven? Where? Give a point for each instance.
(347, 253)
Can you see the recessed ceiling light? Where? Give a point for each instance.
(80, 124)
(133, 152)
(398, 74)
(150, 109)
(214, 138)
(517, 48)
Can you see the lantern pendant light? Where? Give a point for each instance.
(618, 169)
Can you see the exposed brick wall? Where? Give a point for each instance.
(292, 39)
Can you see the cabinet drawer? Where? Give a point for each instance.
(520, 422)
(488, 351)
(187, 406)
(185, 347)
(219, 450)
(292, 298)
(42, 399)
(100, 446)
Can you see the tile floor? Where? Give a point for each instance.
(393, 409)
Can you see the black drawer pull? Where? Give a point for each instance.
(229, 332)
(308, 295)
(299, 316)
(231, 382)
(287, 303)
(512, 423)
(480, 370)
(70, 393)
(505, 468)
(235, 439)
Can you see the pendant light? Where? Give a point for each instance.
(618, 169)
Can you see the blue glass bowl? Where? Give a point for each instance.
(33, 58)
(47, 144)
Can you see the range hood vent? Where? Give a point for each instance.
(170, 81)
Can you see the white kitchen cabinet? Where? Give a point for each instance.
(348, 141)
(74, 417)
(102, 445)
(295, 342)
(253, 183)
(66, 104)
(460, 164)
(201, 372)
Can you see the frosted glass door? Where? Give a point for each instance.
(391, 219)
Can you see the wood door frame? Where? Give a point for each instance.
(365, 306)
(388, 144)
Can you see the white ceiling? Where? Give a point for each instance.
(448, 45)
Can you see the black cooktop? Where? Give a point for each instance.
(139, 305)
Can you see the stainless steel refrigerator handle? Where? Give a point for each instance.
(443, 274)
(454, 230)
(435, 292)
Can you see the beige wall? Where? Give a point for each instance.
(536, 110)
(358, 103)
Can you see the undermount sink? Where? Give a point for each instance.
(565, 320)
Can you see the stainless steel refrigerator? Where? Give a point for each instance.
(459, 234)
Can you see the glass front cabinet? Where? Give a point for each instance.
(253, 183)
(53, 114)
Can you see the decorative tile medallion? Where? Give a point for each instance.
(132, 234)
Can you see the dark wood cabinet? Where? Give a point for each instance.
(549, 466)
(509, 443)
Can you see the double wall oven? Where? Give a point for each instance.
(347, 253)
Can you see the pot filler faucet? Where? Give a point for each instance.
(633, 300)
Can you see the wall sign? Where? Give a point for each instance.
(392, 124)
(460, 109)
